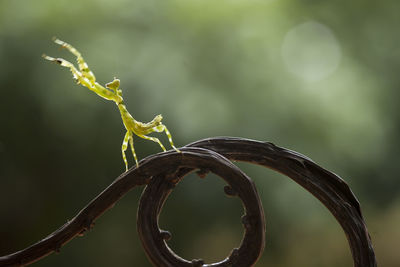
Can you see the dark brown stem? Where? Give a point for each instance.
(330, 189)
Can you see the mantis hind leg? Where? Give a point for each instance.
(163, 128)
(154, 139)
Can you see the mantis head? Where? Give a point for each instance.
(114, 85)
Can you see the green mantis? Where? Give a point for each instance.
(85, 77)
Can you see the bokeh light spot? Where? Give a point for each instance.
(311, 51)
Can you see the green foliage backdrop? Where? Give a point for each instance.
(318, 77)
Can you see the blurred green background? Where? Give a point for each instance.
(318, 77)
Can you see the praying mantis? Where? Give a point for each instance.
(85, 77)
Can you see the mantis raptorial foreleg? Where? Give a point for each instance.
(112, 92)
(83, 66)
(78, 77)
